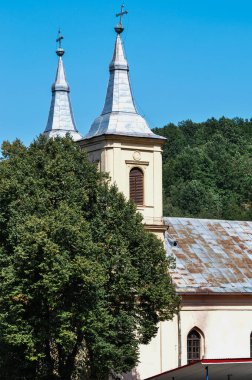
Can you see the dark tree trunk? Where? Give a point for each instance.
(67, 364)
(50, 377)
(66, 369)
(49, 362)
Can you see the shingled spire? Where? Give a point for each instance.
(61, 120)
(119, 115)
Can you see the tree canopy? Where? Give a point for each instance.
(208, 169)
(82, 284)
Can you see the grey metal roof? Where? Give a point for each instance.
(219, 369)
(211, 255)
(119, 115)
(61, 119)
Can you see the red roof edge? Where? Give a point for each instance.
(225, 361)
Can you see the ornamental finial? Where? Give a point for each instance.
(60, 51)
(119, 27)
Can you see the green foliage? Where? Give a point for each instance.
(81, 283)
(208, 169)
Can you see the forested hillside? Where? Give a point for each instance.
(207, 169)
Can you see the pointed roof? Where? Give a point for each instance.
(119, 115)
(61, 119)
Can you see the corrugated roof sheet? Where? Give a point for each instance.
(211, 255)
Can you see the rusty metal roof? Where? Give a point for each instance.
(211, 255)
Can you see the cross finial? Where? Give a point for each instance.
(119, 28)
(59, 38)
(60, 52)
(122, 13)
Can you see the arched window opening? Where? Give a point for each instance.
(251, 345)
(193, 346)
(137, 186)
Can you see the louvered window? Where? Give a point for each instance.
(193, 346)
(137, 186)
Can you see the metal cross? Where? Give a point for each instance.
(59, 39)
(121, 14)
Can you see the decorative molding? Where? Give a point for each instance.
(201, 300)
(155, 227)
(141, 163)
(141, 141)
(137, 156)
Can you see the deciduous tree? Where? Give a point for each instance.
(81, 282)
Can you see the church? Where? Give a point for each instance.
(211, 337)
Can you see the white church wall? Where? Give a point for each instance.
(170, 348)
(226, 328)
(162, 352)
(150, 358)
(226, 331)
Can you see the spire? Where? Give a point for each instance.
(119, 96)
(61, 120)
(119, 115)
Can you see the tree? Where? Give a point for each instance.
(81, 283)
(208, 169)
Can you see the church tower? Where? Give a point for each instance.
(61, 120)
(122, 144)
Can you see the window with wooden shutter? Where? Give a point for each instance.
(137, 186)
(193, 346)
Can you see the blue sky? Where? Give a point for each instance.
(189, 59)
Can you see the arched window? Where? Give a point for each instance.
(193, 346)
(251, 345)
(137, 186)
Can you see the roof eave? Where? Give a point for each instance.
(119, 135)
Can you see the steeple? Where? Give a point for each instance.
(61, 120)
(119, 115)
(121, 143)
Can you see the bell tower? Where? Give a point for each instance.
(122, 144)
